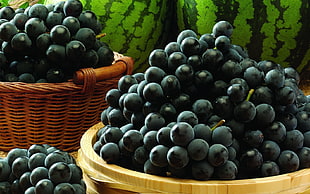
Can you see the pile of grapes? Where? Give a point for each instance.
(47, 43)
(40, 169)
(205, 110)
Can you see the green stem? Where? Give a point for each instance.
(221, 122)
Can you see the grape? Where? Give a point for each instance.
(181, 133)
(54, 18)
(203, 109)
(112, 97)
(86, 35)
(133, 102)
(171, 86)
(222, 135)
(244, 111)
(212, 58)
(14, 154)
(20, 166)
(149, 168)
(34, 27)
(185, 74)
(237, 128)
(37, 174)
(202, 170)
(149, 140)
(188, 117)
(44, 186)
(190, 46)
(154, 74)
(153, 92)
(105, 56)
(59, 172)
(227, 171)
(182, 102)
(112, 134)
(176, 59)
(265, 114)
(285, 96)
(141, 155)
(158, 155)
(270, 168)
(36, 148)
(276, 132)
(72, 23)
(198, 149)
(251, 158)
(5, 170)
(88, 19)
(185, 34)
(168, 111)
(304, 157)
(270, 150)
(253, 76)
(158, 58)
(203, 78)
(74, 50)
(177, 157)
(7, 31)
(7, 12)
(36, 160)
(64, 188)
(195, 61)
(222, 43)
(274, 78)
(132, 139)
(288, 161)
(72, 8)
(154, 121)
(116, 117)
(77, 174)
(222, 28)
(303, 120)
(236, 92)
(202, 131)
(19, 20)
(223, 107)
(253, 138)
(217, 155)
(163, 136)
(294, 140)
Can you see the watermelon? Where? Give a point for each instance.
(133, 28)
(275, 30)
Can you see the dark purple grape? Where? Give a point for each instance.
(7, 12)
(262, 95)
(125, 82)
(274, 78)
(203, 109)
(86, 35)
(270, 150)
(202, 170)
(253, 138)
(188, 117)
(154, 121)
(303, 121)
(288, 161)
(265, 114)
(34, 27)
(176, 59)
(7, 31)
(244, 111)
(133, 102)
(168, 111)
(237, 128)
(172, 47)
(285, 96)
(294, 140)
(251, 159)
(304, 157)
(223, 107)
(253, 76)
(72, 8)
(149, 140)
(222, 135)
(217, 155)
(222, 28)
(275, 131)
(270, 168)
(132, 139)
(112, 134)
(227, 171)
(177, 157)
(54, 18)
(185, 74)
(185, 34)
(149, 168)
(212, 59)
(38, 174)
(181, 133)
(190, 46)
(20, 166)
(141, 155)
(158, 58)
(195, 61)
(116, 117)
(198, 149)
(110, 152)
(153, 92)
(38, 11)
(236, 92)
(154, 74)
(290, 72)
(72, 23)
(19, 20)
(158, 155)
(267, 65)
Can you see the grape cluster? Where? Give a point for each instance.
(205, 110)
(47, 43)
(40, 169)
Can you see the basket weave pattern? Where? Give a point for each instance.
(56, 113)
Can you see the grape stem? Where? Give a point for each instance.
(100, 35)
(250, 94)
(221, 122)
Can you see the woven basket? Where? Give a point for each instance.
(57, 113)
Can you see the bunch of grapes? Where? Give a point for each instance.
(40, 169)
(205, 110)
(47, 43)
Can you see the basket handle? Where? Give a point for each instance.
(120, 66)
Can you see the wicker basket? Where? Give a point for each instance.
(101, 177)
(57, 113)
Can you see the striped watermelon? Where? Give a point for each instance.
(277, 30)
(133, 27)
